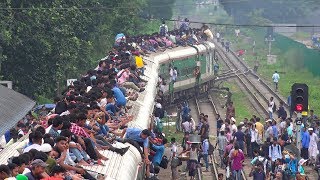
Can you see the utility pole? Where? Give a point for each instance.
(270, 39)
(298, 130)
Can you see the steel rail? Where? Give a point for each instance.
(256, 103)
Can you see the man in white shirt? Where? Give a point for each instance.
(218, 36)
(36, 138)
(270, 108)
(174, 159)
(254, 138)
(275, 78)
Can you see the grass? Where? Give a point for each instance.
(301, 36)
(170, 132)
(240, 101)
(289, 65)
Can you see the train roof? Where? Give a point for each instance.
(126, 167)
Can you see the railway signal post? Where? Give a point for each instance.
(299, 103)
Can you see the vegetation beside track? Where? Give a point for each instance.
(290, 64)
(243, 106)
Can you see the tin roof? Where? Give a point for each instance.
(13, 107)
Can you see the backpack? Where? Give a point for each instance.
(164, 162)
(268, 168)
(278, 146)
(162, 30)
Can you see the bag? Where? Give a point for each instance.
(164, 162)
(274, 108)
(161, 114)
(228, 172)
(175, 162)
(211, 149)
(163, 30)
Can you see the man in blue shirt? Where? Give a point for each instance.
(305, 144)
(204, 153)
(118, 95)
(159, 149)
(137, 138)
(275, 78)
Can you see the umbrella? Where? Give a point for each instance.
(293, 149)
(120, 37)
(47, 106)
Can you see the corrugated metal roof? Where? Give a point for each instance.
(13, 107)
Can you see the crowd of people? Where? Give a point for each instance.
(93, 113)
(270, 144)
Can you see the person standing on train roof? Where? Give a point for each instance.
(215, 68)
(227, 45)
(163, 30)
(275, 78)
(173, 74)
(218, 36)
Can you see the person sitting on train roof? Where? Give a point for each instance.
(138, 138)
(61, 153)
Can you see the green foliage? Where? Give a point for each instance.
(293, 63)
(43, 100)
(159, 9)
(43, 43)
(279, 11)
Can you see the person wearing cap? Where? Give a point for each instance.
(233, 127)
(21, 177)
(313, 147)
(300, 167)
(269, 132)
(37, 168)
(137, 136)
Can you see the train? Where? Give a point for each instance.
(129, 166)
(186, 59)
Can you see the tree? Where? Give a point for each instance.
(43, 43)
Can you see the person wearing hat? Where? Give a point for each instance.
(300, 167)
(233, 125)
(313, 147)
(37, 168)
(21, 177)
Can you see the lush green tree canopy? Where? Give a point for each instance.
(278, 11)
(43, 43)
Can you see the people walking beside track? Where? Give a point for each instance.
(237, 158)
(271, 108)
(227, 45)
(275, 78)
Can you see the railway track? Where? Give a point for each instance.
(246, 85)
(258, 86)
(207, 106)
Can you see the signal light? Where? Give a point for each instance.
(299, 107)
(299, 97)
